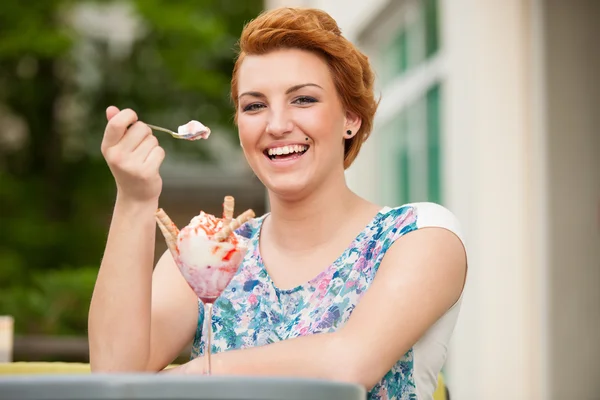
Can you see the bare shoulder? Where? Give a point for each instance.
(432, 251)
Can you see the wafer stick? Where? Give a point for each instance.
(168, 229)
(233, 225)
(228, 206)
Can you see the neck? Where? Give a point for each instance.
(300, 224)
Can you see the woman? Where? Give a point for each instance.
(333, 286)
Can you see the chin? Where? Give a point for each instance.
(287, 188)
(289, 180)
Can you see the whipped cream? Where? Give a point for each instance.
(193, 130)
(208, 266)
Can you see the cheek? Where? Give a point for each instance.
(322, 124)
(249, 130)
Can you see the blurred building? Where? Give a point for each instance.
(490, 108)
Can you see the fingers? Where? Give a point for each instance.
(117, 126)
(155, 158)
(111, 111)
(134, 136)
(132, 154)
(143, 150)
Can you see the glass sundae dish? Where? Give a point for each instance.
(208, 253)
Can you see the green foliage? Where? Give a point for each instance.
(55, 302)
(56, 192)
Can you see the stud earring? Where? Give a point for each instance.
(348, 132)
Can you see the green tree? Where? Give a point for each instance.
(56, 192)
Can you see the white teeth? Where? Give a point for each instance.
(287, 149)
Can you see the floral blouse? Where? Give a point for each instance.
(252, 311)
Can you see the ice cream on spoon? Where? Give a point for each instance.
(193, 130)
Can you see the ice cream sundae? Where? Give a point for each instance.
(207, 251)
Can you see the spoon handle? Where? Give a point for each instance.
(158, 128)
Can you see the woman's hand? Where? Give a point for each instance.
(133, 155)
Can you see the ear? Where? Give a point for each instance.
(353, 124)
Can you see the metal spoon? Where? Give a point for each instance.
(188, 136)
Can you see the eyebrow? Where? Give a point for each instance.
(290, 90)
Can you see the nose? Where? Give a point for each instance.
(279, 123)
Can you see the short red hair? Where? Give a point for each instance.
(314, 30)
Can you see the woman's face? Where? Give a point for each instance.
(291, 121)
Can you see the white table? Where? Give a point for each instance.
(177, 387)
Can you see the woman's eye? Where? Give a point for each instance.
(303, 100)
(253, 107)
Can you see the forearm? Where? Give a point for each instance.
(119, 318)
(323, 356)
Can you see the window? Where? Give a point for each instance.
(413, 42)
(411, 81)
(411, 164)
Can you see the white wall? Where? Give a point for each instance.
(489, 170)
(573, 111)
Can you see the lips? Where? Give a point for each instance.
(287, 152)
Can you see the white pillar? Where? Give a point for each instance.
(496, 352)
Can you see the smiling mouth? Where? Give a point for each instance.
(286, 153)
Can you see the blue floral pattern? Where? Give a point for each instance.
(252, 311)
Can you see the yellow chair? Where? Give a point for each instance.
(29, 368)
(441, 392)
(38, 368)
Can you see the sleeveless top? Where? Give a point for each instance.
(252, 311)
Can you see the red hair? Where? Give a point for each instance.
(314, 30)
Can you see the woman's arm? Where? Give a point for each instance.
(139, 320)
(134, 310)
(119, 317)
(132, 314)
(419, 279)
